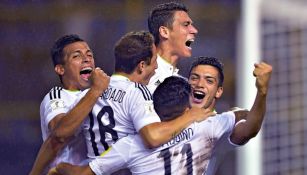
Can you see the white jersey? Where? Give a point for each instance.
(59, 101)
(187, 153)
(123, 109)
(163, 71)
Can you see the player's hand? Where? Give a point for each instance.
(262, 72)
(200, 114)
(99, 80)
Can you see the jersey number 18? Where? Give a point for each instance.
(103, 129)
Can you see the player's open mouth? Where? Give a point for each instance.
(189, 43)
(86, 73)
(198, 96)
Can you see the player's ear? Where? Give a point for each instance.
(219, 92)
(59, 69)
(140, 67)
(164, 31)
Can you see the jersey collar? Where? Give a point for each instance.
(165, 65)
(116, 76)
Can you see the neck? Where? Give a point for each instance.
(167, 55)
(70, 86)
(212, 105)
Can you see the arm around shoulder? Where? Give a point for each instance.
(158, 133)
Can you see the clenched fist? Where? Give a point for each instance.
(262, 72)
(99, 80)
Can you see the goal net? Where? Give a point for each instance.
(284, 45)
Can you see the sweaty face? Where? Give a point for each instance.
(78, 65)
(182, 35)
(204, 82)
(149, 69)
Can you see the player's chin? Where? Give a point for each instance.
(196, 105)
(187, 53)
(199, 103)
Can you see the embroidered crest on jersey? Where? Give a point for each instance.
(149, 108)
(57, 104)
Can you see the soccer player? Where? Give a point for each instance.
(206, 78)
(74, 63)
(126, 107)
(190, 151)
(174, 33)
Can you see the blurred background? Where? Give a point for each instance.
(29, 28)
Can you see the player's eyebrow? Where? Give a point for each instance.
(80, 52)
(209, 76)
(194, 74)
(205, 76)
(74, 52)
(89, 51)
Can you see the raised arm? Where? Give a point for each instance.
(69, 124)
(64, 126)
(249, 128)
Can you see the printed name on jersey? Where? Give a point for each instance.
(55, 93)
(116, 95)
(185, 135)
(146, 93)
(57, 104)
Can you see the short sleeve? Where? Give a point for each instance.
(219, 125)
(142, 110)
(57, 101)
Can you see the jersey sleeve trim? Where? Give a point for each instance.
(229, 140)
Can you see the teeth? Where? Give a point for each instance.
(189, 42)
(86, 70)
(199, 95)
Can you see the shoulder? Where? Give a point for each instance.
(58, 98)
(58, 92)
(143, 91)
(228, 114)
(53, 93)
(225, 118)
(225, 115)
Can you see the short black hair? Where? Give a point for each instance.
(57, 48)
(163, 15)
(171, 97)
(212, 61)
(131, 49)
